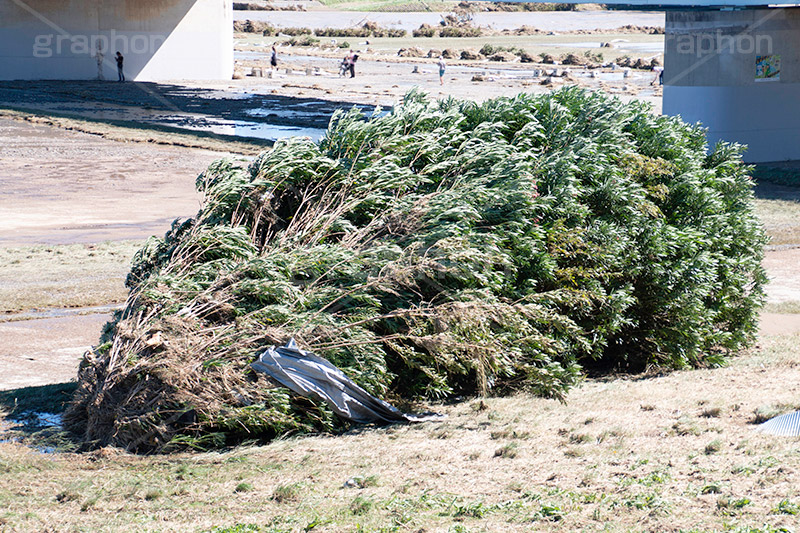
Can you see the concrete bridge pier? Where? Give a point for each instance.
(737, 72)
(77, 39)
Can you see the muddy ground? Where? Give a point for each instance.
(299, 97)
(228, 114)
(61, 187)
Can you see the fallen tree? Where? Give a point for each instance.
(447, 248)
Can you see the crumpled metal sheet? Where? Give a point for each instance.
(312, 376)
(787, 425)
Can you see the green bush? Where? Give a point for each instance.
(368, 29)
(424, 30)
(294, 32)
(305, 40)
(460, 31)
(447, 248)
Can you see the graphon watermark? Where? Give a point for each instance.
(54, 44)
(719, 42)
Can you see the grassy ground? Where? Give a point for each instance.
(791, 308)
(77, 275)
(781, 219)
(778, 205)
(657, 453)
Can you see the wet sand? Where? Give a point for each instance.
(220, 110)
(62, 187)
(45, 351)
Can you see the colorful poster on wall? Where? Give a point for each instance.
(768, 68)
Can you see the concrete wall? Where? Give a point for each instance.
(710, 76)
(160, 39)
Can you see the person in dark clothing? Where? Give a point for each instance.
(120, 59)
(352, 64)
(273, 61)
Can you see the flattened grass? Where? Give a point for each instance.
(600, 462)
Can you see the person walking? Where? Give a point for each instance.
(442, 66)
(273, 60)
(120, 59)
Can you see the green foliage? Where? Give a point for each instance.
(237, 528)
(460, 31)
(368, 29)
(287, 493)
(303, 40)
(786, 507)
(243, 487)
(446, 248)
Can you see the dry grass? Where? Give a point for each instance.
(781, 219)
(783, 308)
(78, 275)
(661, 453)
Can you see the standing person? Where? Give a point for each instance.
(120, 59)
(351, 60)
(442, 66)
(273, 61)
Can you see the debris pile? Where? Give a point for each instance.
(446, 248)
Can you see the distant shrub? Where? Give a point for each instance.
(369, 29)
(305, 40)
(460, 31)
(342, 32)
(293, 32)
(424, 31)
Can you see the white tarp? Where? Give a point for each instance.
(787, 425)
